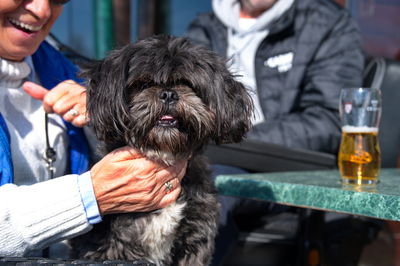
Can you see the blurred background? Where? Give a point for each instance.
(93, 27)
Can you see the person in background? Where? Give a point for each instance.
(294, 56)
(36, 211)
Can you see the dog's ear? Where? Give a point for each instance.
(233, 107)
(226, 97)
(104, 80)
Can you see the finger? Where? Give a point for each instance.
(64, 96)
(81, 108)
(80, 120)
(65, 103)
(177, 170)
(125, 154)
(75, 114)
(34, 90)
(167, 187)
(68, 98)
(53, 97)
(169, 198)
(172, 184)
(182, 172)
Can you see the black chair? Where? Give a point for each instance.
(385, 74)
(259, 157)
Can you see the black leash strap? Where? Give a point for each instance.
(49, 154)
(49, 157)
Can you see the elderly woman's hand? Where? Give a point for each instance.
(67, 99)
(126, 181)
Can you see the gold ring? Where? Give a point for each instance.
(73, 112)
(168, 186)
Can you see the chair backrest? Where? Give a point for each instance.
(256, 156)
(385, 74)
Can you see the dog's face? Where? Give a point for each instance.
(165, 96)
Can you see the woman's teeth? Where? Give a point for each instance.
(24, 26)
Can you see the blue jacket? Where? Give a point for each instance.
(52, 68)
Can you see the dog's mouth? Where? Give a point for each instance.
(167, 121)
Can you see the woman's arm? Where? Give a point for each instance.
(33, 217)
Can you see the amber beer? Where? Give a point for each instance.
(359, 155)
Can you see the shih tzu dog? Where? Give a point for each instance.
(168, 99)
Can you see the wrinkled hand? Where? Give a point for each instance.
(126, 181)
(61, 99)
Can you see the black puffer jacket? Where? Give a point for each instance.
(300, 105)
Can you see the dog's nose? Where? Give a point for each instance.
(169, 97)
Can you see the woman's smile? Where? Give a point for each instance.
(24, 25)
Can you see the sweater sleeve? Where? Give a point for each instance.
(33, 217)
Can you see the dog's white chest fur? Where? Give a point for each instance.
(160, 231)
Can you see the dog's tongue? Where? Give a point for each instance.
(167, 118)
(168, 121)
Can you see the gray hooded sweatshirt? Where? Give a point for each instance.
(244, 36)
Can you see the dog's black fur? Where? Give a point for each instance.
(166, 98)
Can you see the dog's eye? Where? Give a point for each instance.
(141, 85)
(186, 83)
(146, 85)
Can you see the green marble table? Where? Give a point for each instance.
(319, 190)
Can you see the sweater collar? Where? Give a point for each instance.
(12, 73)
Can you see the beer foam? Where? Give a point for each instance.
(353, 129)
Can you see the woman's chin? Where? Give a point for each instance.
(20, 44)
(17, 54)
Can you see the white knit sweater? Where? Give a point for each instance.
(34, 216)
(24, 116)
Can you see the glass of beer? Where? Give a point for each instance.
(359, 154)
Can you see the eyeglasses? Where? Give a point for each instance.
(59, 2)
